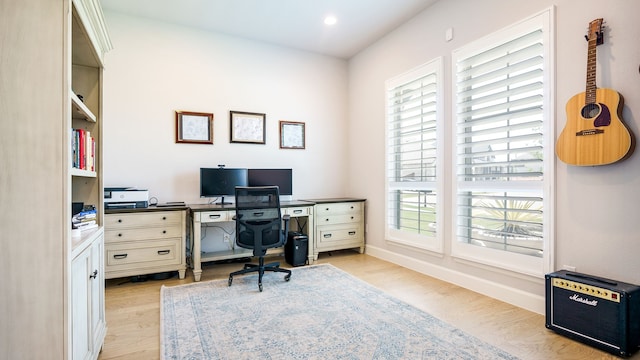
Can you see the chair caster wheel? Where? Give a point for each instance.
(287, 277)
(230, 280)
(260, 287)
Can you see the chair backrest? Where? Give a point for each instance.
(258, 218)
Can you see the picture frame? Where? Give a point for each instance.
(292, 135)
(247, 127)
(194, 127)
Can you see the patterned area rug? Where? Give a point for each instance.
(322, 313)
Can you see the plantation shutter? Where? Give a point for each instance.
(412, 154)
(500, 145)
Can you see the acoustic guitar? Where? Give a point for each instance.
(594, 133)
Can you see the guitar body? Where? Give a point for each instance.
(594, 133)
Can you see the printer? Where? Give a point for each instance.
(125, 198)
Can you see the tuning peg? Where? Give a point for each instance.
(586, 37)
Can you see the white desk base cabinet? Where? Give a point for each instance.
(145, 241)
(339, 224)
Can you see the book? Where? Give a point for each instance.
(88, 227)
(85, 225)
(83, 148)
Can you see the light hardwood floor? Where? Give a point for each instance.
(133, 311)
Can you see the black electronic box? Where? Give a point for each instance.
(296, 248)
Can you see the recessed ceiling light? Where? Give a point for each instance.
(330, 20)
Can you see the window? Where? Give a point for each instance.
(503, 143)
(413, 165)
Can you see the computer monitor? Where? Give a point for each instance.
(221, 182)
(283, 178)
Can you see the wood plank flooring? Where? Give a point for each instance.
(133, 311)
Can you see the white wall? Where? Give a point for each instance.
(596, 216)
(157, 68)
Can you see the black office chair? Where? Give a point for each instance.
(259, 226)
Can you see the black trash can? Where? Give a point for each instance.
(296, 248)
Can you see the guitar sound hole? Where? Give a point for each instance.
(590, 111)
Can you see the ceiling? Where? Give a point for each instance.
(292, 23)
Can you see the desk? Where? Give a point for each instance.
(202, 214)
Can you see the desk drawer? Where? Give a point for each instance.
(215, 216)
(338, 208)
(135, 255)
(142, 219)
(258, 214)
(341, 236)
(339, 219)
(297, 211)
(120, 235)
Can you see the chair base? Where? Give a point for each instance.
(261, 268)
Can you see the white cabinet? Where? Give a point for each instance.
(89, 42)
(88, 327)
(145, 241)
(339, 224)
(48, 55)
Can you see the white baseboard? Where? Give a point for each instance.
(516, 297)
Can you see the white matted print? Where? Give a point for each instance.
(194, 127)
(292, 135)
(247, 127)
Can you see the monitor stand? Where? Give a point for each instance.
(222, 202)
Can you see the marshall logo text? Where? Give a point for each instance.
(577, 298)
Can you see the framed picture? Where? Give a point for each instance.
(291, 135)
(247, 127)
(194, 127)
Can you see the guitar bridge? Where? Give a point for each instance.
(590, 132)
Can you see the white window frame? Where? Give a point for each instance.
(404, 238)
(529, 265)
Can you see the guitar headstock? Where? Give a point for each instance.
(596, 31)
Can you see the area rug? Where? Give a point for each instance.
(322, 313)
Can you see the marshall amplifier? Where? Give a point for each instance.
(599, 312)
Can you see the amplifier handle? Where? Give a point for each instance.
(580, 276)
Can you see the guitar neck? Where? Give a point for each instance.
(591, 73)
(595, 38)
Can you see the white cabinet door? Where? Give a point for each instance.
(96, 297)
(87, 301)
(80, 304)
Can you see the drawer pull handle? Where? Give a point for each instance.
(164, 231)
(258, 214)
(327, 219)
(327, 209)
(164, 218)
(119, 220)
(326, 236)
(119, 234)
(297, 211)
(352, 218)
(120, 256)
(352, 232)
(163, 252)
(94, 274)
(216, 216)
